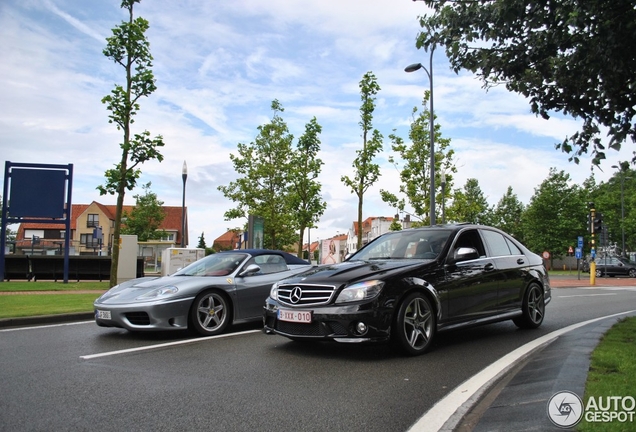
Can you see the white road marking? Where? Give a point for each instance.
(151, 347)
(47, 326)
(435, 418)
(588, 295)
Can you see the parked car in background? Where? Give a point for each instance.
(405, 286)
(205, 297)
(612, 266)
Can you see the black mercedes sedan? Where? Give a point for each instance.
(404, 286)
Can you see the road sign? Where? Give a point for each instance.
(578, 253)
(580, 242)
(570, 250)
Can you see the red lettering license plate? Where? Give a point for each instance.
(294, 316)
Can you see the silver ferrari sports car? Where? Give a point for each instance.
(205, 297)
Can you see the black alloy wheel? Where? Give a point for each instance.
(415, 324)
(533, 308)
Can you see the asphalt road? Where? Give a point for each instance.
(80, 377)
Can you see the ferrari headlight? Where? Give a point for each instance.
(273, 293)
(360, 291)
(158, 293)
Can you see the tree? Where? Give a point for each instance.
(201, 244)
(416, 169)
(263, 188)
(306, 200)
(470, 204)
(366, 172)
(618, 219)
(146, 217)
(574, 57)
(129, 48)
(555, 216)
(507, 214)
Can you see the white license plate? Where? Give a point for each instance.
(294, 316)
(103, 314)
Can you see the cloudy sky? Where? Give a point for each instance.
(219, 65)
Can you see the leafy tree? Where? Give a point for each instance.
(616, 218)
(306, 200)
(201, 244)
(129, 48)
(555, 216)
(366, 171)
(146, 217)
(507, 214)
(263, 188)
(415, 172)
(574, 57)
(470, 204)
(395, 225)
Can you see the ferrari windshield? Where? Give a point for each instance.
(220, 264)
(407, 244)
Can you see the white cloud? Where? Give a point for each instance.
(218, 67)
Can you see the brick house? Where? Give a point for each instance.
(85, 219)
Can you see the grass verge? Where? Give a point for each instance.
(26, 305)
(51, 286)
(612, 373)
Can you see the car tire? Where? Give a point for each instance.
(532, 309)
(599, 273)
(632, 273)
(209, 313)
(415, 324)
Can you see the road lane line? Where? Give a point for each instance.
(588, 295)
(151, 347)
(46, 326)
(436, 418)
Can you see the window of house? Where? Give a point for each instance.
(92, 221)
(88, 241)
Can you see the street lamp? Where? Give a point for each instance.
(184, 176)
(443, 197)
(429, 72)
(620, 168)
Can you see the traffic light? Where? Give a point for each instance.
(589, 223)
(598, 223)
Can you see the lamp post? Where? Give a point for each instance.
(184, 176)
(429, 72)
(443, 197)
(620, 168)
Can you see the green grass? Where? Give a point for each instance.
(612, 373)
(25, 305)
(51, 286)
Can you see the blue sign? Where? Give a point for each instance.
(578, 253)
(593, 253)
(580, 242)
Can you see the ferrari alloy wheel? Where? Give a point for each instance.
(209, 314)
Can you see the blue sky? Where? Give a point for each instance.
(219, 65)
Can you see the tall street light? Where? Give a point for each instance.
(429, 72)
(184, 176)
(620, 168)
(443, 197)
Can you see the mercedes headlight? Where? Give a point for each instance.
(273, 293)
(360, 291)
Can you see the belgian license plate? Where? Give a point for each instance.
(103, 314)
(294, 316)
